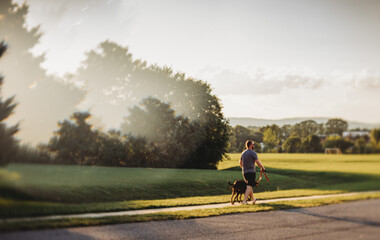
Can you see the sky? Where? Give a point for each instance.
(263, 58)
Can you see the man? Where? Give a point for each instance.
(247, 163)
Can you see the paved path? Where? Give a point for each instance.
(353, 220)
(148, 211)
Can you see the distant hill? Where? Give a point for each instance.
(257, 122)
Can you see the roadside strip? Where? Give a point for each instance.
(173, 209)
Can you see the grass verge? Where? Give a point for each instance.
(28, 190)
(14, 208)
(281, 205)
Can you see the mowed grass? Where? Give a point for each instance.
(344, 163)
(38, 190)
(78, 184)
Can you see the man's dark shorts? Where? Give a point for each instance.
(250, 178)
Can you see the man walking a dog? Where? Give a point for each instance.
(248, 161)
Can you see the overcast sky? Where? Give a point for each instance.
(263, 58)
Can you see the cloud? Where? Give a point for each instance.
(259, 80)
(279, 93)
(364, 79)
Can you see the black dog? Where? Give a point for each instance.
(238, 189)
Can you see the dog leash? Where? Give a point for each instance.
(261, 175)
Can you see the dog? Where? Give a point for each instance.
(238, 189)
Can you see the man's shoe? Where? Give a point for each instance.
(254, 200)
(244, 203)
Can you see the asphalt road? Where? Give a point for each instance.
(354, 220)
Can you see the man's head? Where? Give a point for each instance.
(249, 144)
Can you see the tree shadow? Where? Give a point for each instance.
(286, 179)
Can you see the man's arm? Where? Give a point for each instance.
(241, 163)
(260, 164)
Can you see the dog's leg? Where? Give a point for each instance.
(232, 196)
(236, 197)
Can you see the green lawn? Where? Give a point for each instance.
(37, 190)
(353, 163)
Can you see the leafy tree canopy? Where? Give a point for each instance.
(116, 82)
(292, 144)
(8, 144)
(336, 126)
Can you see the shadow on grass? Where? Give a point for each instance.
(286, 179)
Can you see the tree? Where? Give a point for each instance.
(74, 142)
(375, 136)
(292, 145)
(312, 144)
(153, 120)
(275, 128)
(338, 142)
(8, 144)
(321, 128)
(242, 134)
(270, 139)
(336, 126)
(115, 149)
(286, 131)
(42, 100)
(174, 136)
(117, 82)
(360, 145)
(258, 147)
(232, 142)
(258, 137)
(305, 128)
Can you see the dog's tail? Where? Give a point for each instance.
(229, 188)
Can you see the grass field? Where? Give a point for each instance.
(38, 190)
(353, 163)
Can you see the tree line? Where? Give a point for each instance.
(153, 135)
(170, 120)
(304, 137)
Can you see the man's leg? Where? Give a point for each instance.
(247, 193)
